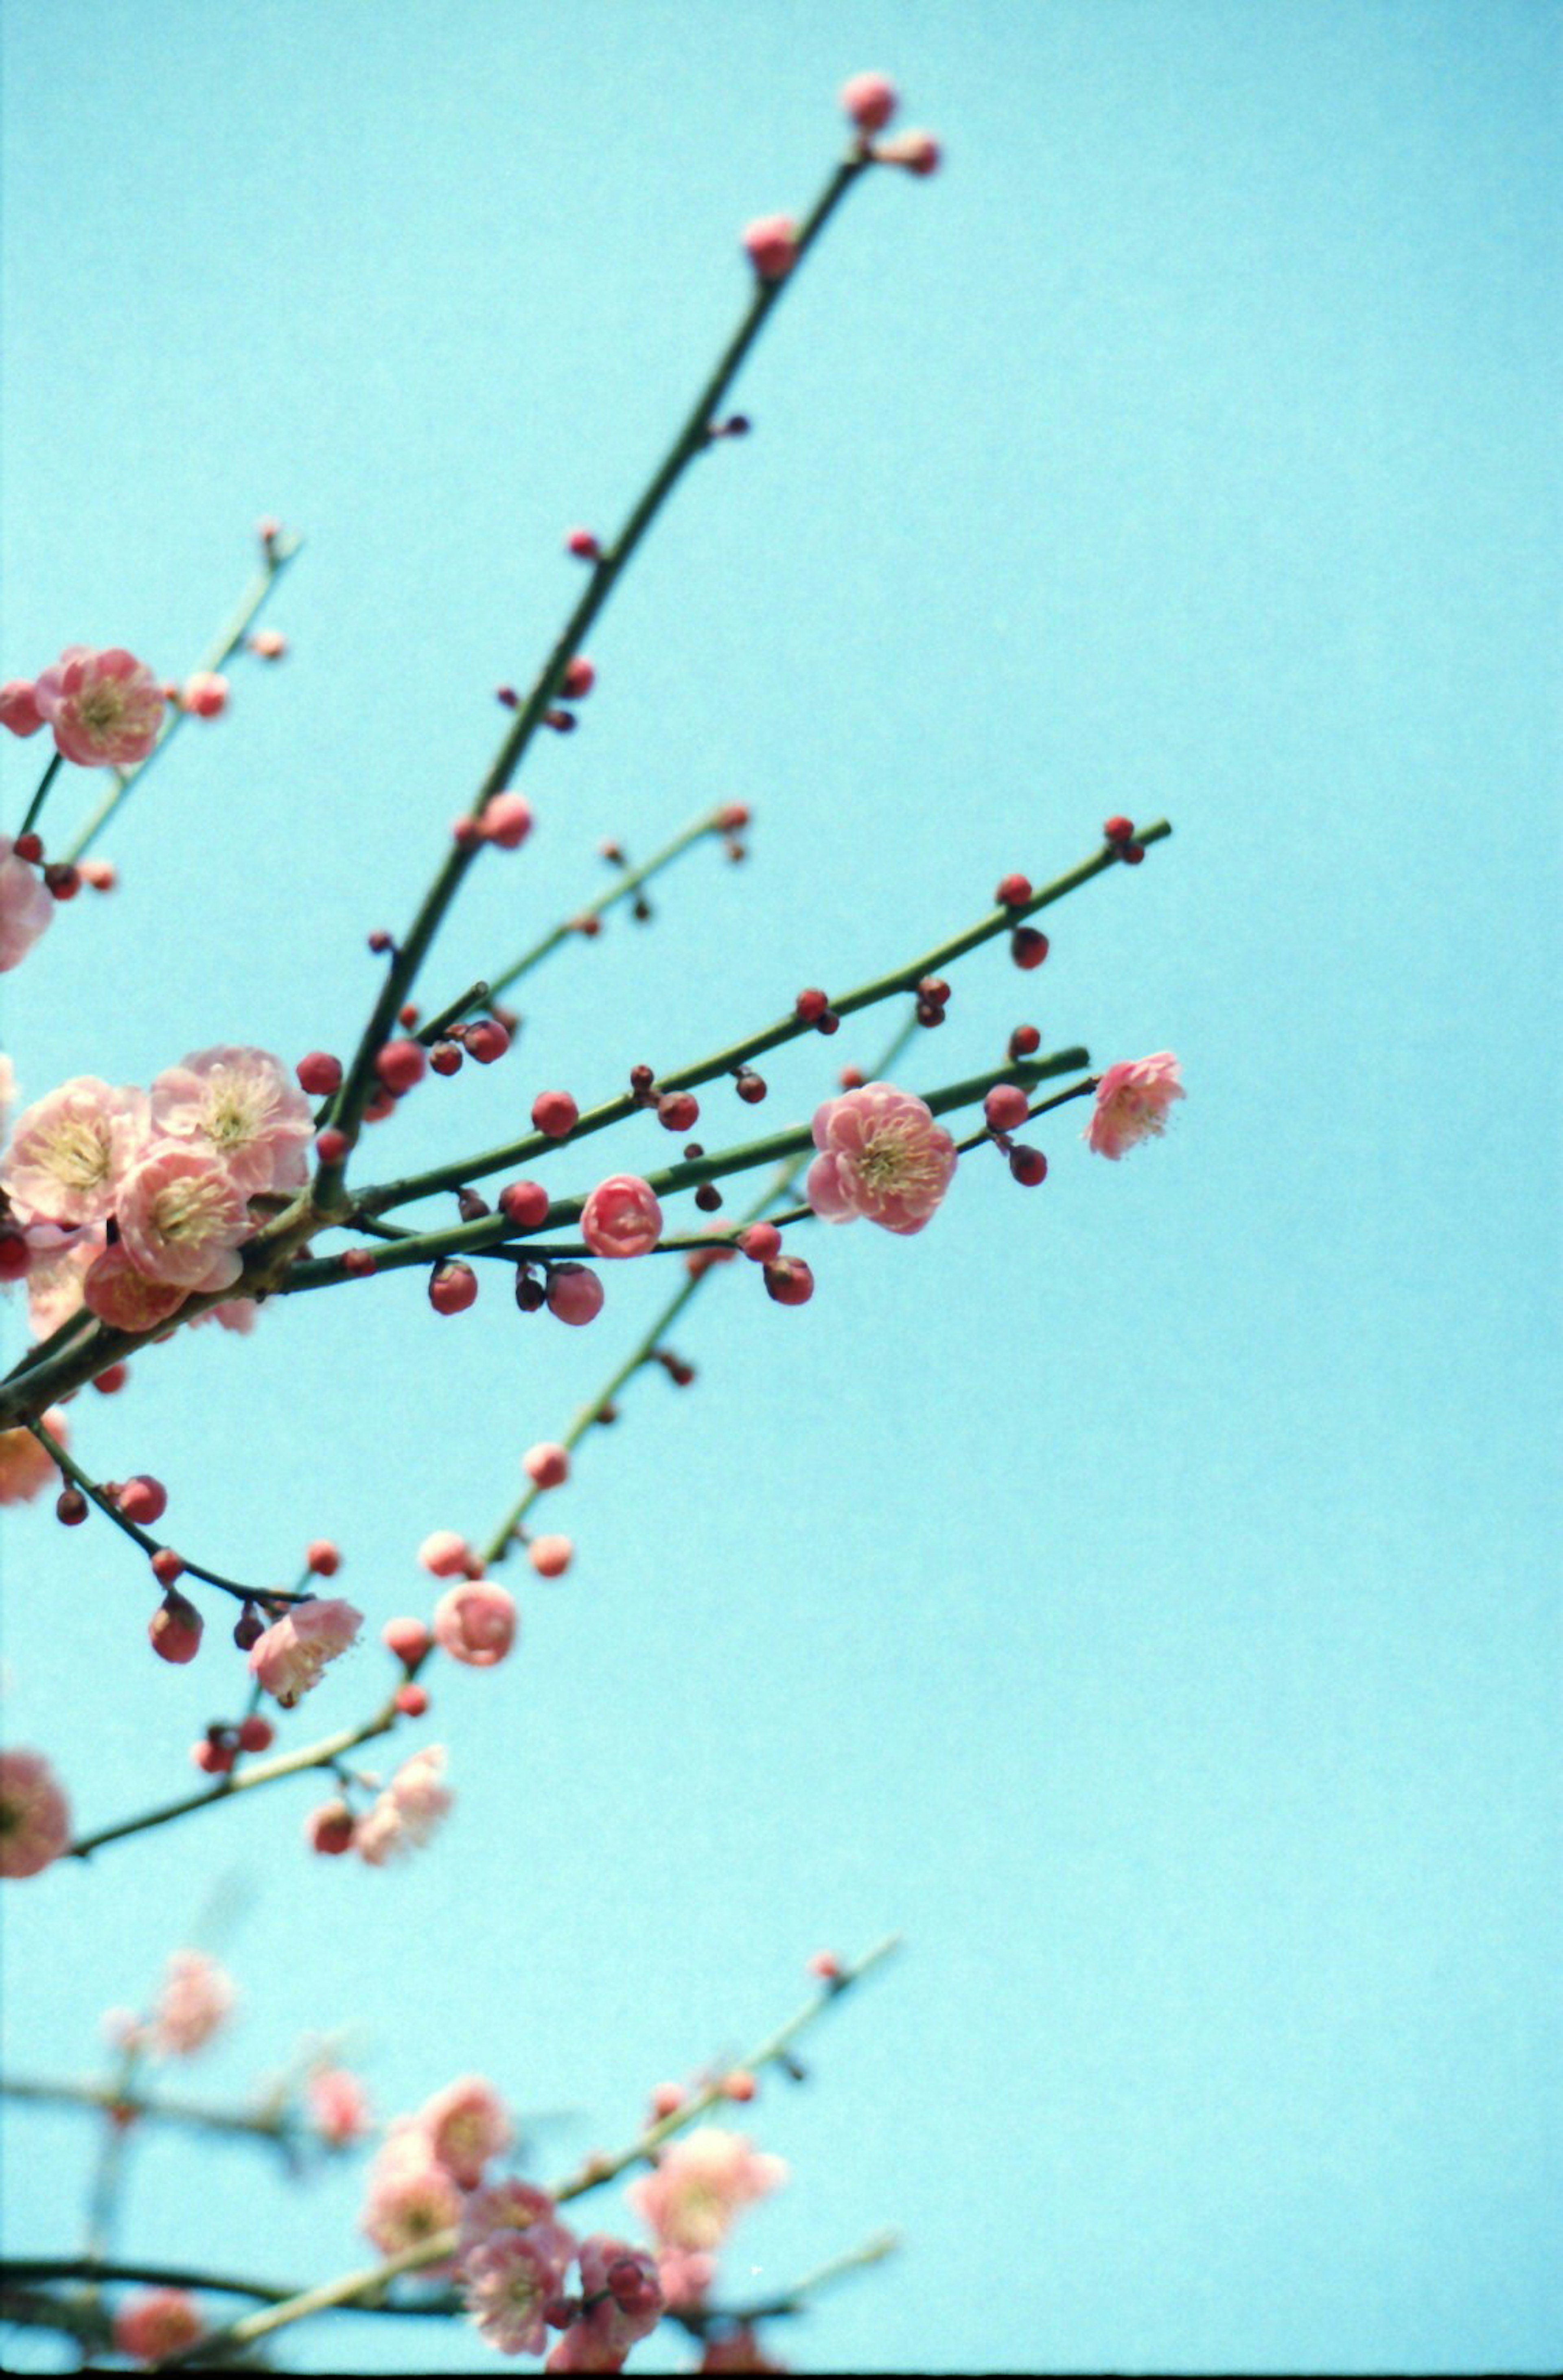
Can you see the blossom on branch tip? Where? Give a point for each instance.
(508, 2281)
(771, 243)
(105, 707)
(883, 1155)
(26, 906)
(1132, 1099)
(35, 1814)
(700, 2186)
(26, 1466)
(71, 1147)
(868, 100)
(237, 1106)
(621, 1217)
(287, 1660)
(407, 1812)
(197, 1999)
(466, 2126)
(476, 1622)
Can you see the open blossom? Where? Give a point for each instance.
(1132, 1098)
(56, 1274)
(287, 1660)
(516, 2205)
(195, 2001)
(339, 2104)
(105, 707)
(238, 1106)
(72, 1148)
(882, 1155)
(35, 1814)
(25, 1466)
(621, 1217)
(182, 1218)
(123, 1297)
(154, 2324)
(700, 2185)
(507, 2283)
(26, 906)
(465, 2125)
(476, 1622)
(410, 2195)
(409, 1810)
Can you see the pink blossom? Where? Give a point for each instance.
(1132, 1098)
(507, 2283)
(71, 1150)
(621, 1217)
(182, 1218)
(26, 906)
(699, 2186)
(26, 1468)
(105, 707)
(869, 101)
(205, 694)
(19, 711)
(624, 2303)
(338, 2105)
(465, 2125)
(35, 1814)
(238, 1106)
(519, 2206)
(547, 1464)
(772, 245)
(122, 1295)
(56, 1274)
(196, 1999)
(410, 2197)
(287, 1660)
(883, 1155)
(154, 2324)
(409, 1810)
(476, 1622)
(686, 2274)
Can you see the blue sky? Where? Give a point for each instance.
(1140, 1592)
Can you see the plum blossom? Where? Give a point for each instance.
(621, 1217)
(287, 1660)
(19, 711)
(120, 1294)
(1132, 1099)
(409, 1810)
(465, 2125)
(882, 1155)
(54, 1276)
(105, 707)
(195, 2002)
(339, 2104)
(25, 1467)
(686, 2274)
(515, 2205)
(154, 2324)
(476, 1622)
(182, 1218)
(410, 2195)
(35, 1814)
(26, 906)
(238, 1106)
(72, 1148)
(700, 2184)
(507, 2283)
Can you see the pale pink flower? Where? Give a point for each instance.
(476, 1622)
(35, 1814)
(409, 1810)
(26, 906)
(205, 694)
(507, 2283)
(287, 1660)
(25, 1467)
(338, 2105)
(686, 2274)
(72, 1148)
(465, 2125)
(195, 2002)
(621, 1217)
(410, 2197)
(120, 1294)
(700, 2184)
(55, 1275)
(1132, 1098)
(519, 2206)
(883, 1155)
(154, 2324)
(182, 1218)
(19, 711)
(238, 1106)
(105, 707)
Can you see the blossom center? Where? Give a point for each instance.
(188, 1210)
(101, 708)
(77, 1156)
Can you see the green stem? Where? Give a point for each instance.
(224, 645)
(107, 2099)
(353, 1096)
(41, 795)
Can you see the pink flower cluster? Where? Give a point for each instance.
(174, 1169)
(407, 1814)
